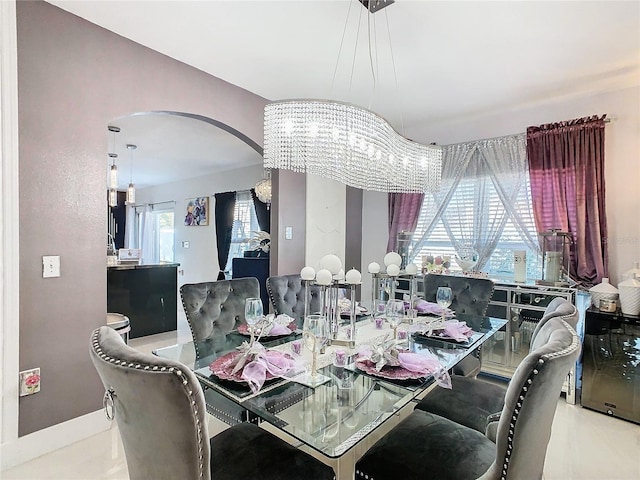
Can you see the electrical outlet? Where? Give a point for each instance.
(29, 382)
(50, 266)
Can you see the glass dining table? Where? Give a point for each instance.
(333, 417)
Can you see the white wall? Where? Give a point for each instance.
(326, 218)
(199, 262)
(622, 163)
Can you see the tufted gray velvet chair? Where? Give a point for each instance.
(471, 402)
(286, 293)
(216, 308)
(425, 445)
(160, 410)
(471, 296)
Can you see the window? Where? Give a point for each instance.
(154, 234)
(476, 216)
(164, 235)
(244, 222)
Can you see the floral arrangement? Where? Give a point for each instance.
(436, 264)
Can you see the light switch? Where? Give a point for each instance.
(50, 266)
(185, 244)
(288, 233)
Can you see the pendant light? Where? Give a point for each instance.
(131, 190)
(263, 189)
(113, 171)
(348, 143)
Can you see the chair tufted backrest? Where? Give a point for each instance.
(286, 293)
(559, 307)
(216, 308)
(470, 295)
(532, 395)
(159, 407)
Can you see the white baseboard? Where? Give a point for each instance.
(50, 439)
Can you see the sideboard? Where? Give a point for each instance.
(147, 294)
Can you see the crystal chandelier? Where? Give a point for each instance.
(348, 143)
(263, 189)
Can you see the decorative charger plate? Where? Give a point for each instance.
(223, 366)
(243, 329)
(475, 336)
(390, 373)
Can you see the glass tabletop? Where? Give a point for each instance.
(333, 417)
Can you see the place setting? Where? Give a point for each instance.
(251, 364)
(391, 360)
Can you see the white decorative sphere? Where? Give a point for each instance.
(332, 263)
(411, 269)
(307, 273)
(340, 275)
(324, 277)
(374, 267)
(353, 277)
(393, 270)
(392, 258)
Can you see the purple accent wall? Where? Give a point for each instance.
(73, 79)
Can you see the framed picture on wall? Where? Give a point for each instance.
(197, 212)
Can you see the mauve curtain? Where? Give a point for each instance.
(404, 211)
(566, 168)
(224, 210)
(262, 212)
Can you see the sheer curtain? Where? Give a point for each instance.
(482, 186)
(147, 244)
(566, 161)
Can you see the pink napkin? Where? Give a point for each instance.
(276, 363)
(433, 308)
(278, 329)
(459, 331)
(425, 364)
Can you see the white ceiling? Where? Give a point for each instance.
(452, 58)
(170, 148)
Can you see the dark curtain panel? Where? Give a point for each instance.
(225, 207)
(566, 167)
(262, 212)
(404, 211)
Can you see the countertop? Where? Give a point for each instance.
(136, 266)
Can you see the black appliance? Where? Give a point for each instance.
(611, 364)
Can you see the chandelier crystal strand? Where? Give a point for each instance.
(349, 144)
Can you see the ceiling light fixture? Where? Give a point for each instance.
(113, 171)
(263, 189)
(131, 190)
(348, 143)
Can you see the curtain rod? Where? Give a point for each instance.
(153, 204)
(606, 120)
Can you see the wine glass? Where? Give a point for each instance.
(394, 312)
(444, 297)
(315, 332)
(253, 314)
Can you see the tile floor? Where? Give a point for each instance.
(585, 445)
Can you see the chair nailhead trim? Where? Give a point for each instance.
(173, 370)
(525, 389)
